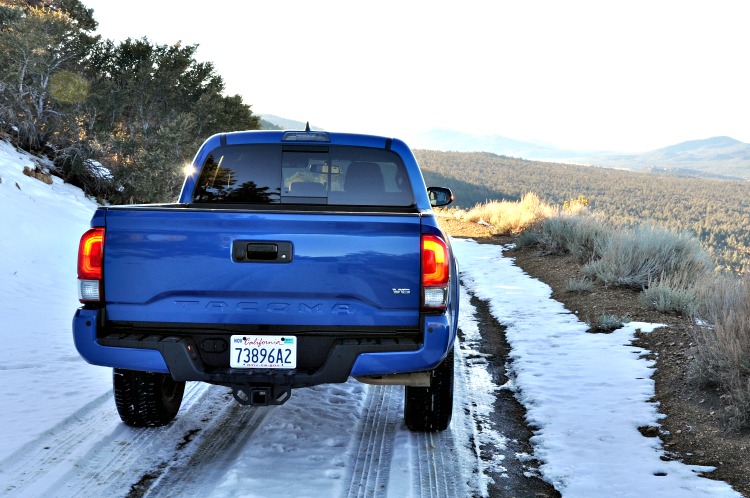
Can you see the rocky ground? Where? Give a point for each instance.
(695, 429)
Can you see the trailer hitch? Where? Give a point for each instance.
(261, 395)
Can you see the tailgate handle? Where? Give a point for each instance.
(245, 251)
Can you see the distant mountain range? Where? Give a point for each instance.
(456, 141)
(717, 157)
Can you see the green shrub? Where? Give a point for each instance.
(669, 295)
(583, 236)
(607, 323)
(635, 257)
(579, 285)
(550, 235)
(590, 237)
(722, 354)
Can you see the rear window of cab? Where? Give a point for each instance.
(298, 174)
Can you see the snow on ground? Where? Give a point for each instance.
(586, 395)
(42, 378)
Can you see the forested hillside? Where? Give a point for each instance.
(718, 211)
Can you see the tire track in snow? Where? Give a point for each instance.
(196, 472)
(390, 460)
(92, 453)
(436, 456)
(381, 417)
(110, 466)
(55, 450)
(436, 463)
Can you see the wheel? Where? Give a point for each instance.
(146, 399)
(429, 409)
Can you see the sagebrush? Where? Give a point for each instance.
(635, 257)
(722, 352)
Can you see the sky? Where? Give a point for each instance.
(625, 76)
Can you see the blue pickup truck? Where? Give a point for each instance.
(292, 259)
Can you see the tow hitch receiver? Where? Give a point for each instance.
(261, 396)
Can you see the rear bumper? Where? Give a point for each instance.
(178, 356)
(85, 323)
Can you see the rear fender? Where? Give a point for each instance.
(84, 336)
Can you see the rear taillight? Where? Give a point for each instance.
(436, 272)
(90, 262)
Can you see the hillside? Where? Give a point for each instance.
(451, 140)
(718, 211)
(721, 157)
(717, 157)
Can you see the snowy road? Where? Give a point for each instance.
(62, 435)
(341, 440)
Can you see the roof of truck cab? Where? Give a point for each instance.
(300, 136)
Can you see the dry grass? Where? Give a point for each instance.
(508, 217)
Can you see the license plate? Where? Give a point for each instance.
(263, 351)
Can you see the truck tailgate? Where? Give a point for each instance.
(186, 265)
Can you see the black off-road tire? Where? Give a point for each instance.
(429, 409)
(146, 399)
